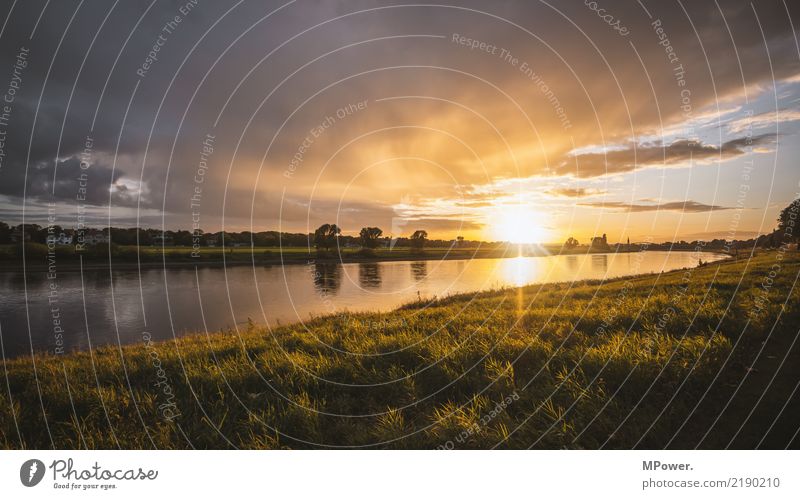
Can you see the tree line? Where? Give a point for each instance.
(329, 236)
(326, 237)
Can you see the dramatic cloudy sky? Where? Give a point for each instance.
(570, 119)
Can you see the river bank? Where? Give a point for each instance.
(181, 258)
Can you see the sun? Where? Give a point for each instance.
(518, 225)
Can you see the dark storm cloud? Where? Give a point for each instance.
(91, 184)
(682, 206)
(680, 151)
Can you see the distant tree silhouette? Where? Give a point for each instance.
(369, 237)
(571, 243)
(418, 239)
(325, 236)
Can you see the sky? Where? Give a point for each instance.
(529, 121)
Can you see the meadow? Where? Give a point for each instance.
(703, 357)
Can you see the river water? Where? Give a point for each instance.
(118, 306)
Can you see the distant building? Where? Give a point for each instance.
(95, 236)
(63, 239)
(600, 243)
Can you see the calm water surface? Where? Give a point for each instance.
(103, 306)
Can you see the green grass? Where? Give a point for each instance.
(552, 366)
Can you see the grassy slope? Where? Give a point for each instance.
(445, 367)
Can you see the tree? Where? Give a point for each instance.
(571, 243)
(325, 236)
(369, 237)
(5, 233)
(182, 238)
(418, 239)
(787, 222)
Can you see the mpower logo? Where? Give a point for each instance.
(31, 472)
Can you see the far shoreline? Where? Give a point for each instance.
(294, 258)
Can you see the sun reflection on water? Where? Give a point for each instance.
(518, 271)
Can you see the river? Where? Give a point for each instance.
(77, 311)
